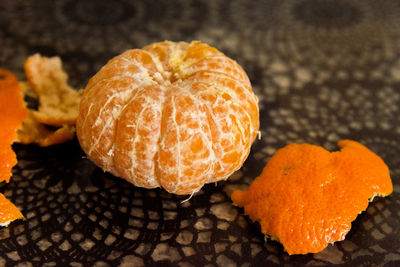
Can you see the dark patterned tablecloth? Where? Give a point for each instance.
(323, 70)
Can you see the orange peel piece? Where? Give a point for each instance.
(12, 113)
(54, 121)
(306, 197)
(8, 211)
(34, 132)
(58, 102)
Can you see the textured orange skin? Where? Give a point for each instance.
(306, 197)
(12, 113)
(8, 212)
(171, 115)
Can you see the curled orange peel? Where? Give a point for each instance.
(306, 197)
(54, 121)
(12, 113)
(8, 211)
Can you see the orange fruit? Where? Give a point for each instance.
(306, 197)
(175, 115)
(12, 113)
(8, 212)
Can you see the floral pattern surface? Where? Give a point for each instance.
(323, 70)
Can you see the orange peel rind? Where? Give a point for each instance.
(33, 131)
(8, 211)
(12, 113)
(54, 122)
(58, 102)
(306, 197)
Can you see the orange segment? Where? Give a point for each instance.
(8, 212)
(306, 197)
(12, 113)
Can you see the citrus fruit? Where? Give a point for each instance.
(8, 212)
(175, 115)
(306, 197)
(12, 113)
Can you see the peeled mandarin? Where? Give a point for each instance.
(174, 115)
(306, 197)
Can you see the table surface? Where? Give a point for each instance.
(323, 71)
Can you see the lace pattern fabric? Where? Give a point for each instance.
(323, 71)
